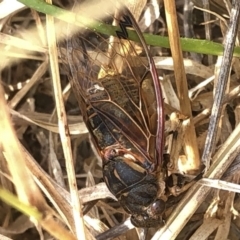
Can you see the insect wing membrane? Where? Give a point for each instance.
(150, 89)
(116, 88)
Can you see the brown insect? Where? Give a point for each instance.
(121, 101)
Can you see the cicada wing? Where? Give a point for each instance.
(126, 54)
(118, 92)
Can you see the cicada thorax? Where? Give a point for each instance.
(122, 107)
(136, 186)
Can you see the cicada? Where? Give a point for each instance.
(116, 84)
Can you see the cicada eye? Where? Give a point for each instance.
(110, 153)
(113, 152)
(153, 218)
(158, 207)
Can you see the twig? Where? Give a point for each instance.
(221, 84)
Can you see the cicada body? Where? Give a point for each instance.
(121, 101)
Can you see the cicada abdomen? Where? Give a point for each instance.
(120, 98)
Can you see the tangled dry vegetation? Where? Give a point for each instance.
(48, 165)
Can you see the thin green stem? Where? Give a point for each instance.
(188, 45)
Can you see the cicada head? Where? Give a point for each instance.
(151, 217)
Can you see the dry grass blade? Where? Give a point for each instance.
(116, 231)
(52, 190)
(20, 43)
(35, 78)
(4, 238)
(64, 131)
(76, 125)
(207, 26)
(190, 141)
(27, 190)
